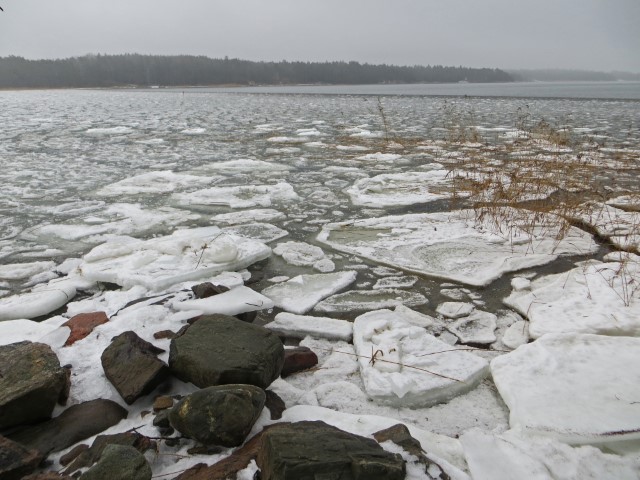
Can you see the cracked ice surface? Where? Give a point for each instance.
(408, 370)
(160, 262)
(451, 245)
(578, 388)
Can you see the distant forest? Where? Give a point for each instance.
(146, 70)
(556, 75)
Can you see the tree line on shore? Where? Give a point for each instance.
(146, 70)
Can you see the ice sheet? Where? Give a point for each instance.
(299, 326)
(245, 196)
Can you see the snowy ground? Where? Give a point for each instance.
(361, 249)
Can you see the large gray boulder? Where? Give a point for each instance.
(220, 350)
(119, 461)
(131, 365)
(294, 451)
(74, 424)
(221, 415)
(16, 461)
(31, 383)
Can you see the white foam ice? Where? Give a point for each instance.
(578, 388)
(154, 182)
(300, 326)
(379, 156)
(596, 297)
(245, 165)
(511, 455)
(395, 189)
(194, 131)
(245, 196)
(300, 294)
(122, 130)
(189, 254)
(249, 216)
(361, 300)
(238, 300)
(304, 255)
(402, 365)
(19, 271)
(453, 245)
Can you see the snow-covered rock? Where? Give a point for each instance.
(578, 388)
(302, 293)
(402, 365)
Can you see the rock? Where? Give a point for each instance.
(219, 350)
(170, 334)
(298, 359)
(275, 404)
(132, 367)
(16, 461)
(292, 451)
(229, 466)
(208, 289)
(47, 476)
(91, 455)
(83, 324)
(72, 454)
(73, 425)
(31, 382)
(161, 403)
(220, 415)
(119, 461)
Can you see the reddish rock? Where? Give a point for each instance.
(162, 403)
(83, 324)
(298, 359)
(170, 334)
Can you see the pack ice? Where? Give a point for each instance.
(453, 245)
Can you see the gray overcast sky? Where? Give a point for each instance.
(583, 34)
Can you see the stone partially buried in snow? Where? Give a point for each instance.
(132, 367)
(221, 415)
(411, 368)
(119, 461)
(183, 256)
(16, 461)
(219, 350)
(294, 451)
(83, 324)
(302, 293)
(31, 383)
(579, 388)
(452, 245)
(600, 298)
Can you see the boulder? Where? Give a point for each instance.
(220, 415)
(16, 461)
(298, 359)
(119, 461)
(83, 324)
(31, 382)
(131, 365)
(73, 425)
(208, 289)
(292, 451)
(91, 455)
(219, 350)
(275, 404)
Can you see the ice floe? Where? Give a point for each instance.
(42, 299)
(476, 328)
(154, 182)
(578, 388)
(516, 334)
(596, 297)
(302, 293)
(455, 309)
(300, 326)
(18, 271)
(360, 300)
(510, 456)
(452, 245)
(249, 216)
(402, 365)
(245, 196)
(233, 302)
(263, 232)
(305, 255)
(12, 331)
(188, 254)
(394, 189)
(407, 281)
(620, 227)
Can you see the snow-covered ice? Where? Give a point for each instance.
(302, 293)
(452, 245)
(244, 196)
(154, 182)
(593, 298)
(476, 328)
(42, 299)
(455, 309)
(233, 302)
(361, 300)
(299, 326)
(249, 216)
(578, 388)
(402, 365)
(305, 255)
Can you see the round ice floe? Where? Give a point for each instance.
(304, 254)
(455, 309)
(579, 388)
